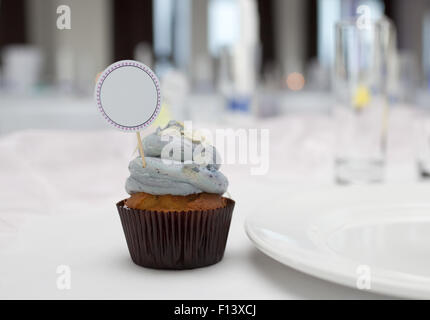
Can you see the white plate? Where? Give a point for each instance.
(354, 236)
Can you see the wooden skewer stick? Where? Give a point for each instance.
(139, 143)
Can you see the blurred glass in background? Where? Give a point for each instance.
(422, 124)
(361, 112)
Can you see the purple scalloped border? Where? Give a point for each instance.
(128, 63)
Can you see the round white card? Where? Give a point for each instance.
(128, 95)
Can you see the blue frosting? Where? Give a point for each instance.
(175, 173)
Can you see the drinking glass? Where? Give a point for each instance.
(361, 71)
(423, 107)
(422, 137)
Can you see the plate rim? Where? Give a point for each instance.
(403, 285)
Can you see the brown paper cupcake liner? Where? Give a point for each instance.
(176, 240)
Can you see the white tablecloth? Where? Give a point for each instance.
(58, 193)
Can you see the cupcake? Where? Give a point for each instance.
(176, 216)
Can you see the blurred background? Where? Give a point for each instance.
(264, 57)
(243, 63)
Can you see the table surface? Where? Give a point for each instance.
(59, 190)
